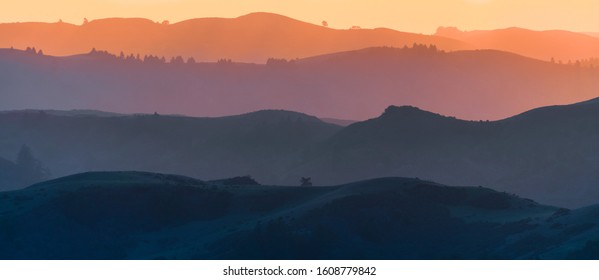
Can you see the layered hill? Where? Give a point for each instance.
(250, 38)
(258, 36)
(262, 143)
(594, 34)
(548, 154)
(351, 85)
(544, 45)
(134, 215)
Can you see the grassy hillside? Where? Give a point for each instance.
(135, 215)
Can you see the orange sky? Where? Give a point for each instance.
(422, 16)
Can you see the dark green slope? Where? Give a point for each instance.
(137, 215)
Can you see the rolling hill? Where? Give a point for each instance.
(548, 154)
(136, 215)
(351, 85)
(594, 34)
(257, 37)
(261, 143)
(543, 45)
(251, 38)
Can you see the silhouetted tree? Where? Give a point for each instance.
(325, 23)
(177, 60)
(85, 21)
(153, 59)
(31, 169)
(31, 50)
(165, 22)
(306, 181)
(131, 58)
(191, 60)
(276, 61)
(25, 158)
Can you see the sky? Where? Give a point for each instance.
(419, 16)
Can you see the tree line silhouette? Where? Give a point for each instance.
(592, 62)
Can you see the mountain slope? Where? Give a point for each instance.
(544, 45)
(134, 215)
(338, 121)
(350, 85)
(261, 143)
(250, 38)
(549, 154)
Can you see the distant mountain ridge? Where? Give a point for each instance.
(258, 36)
(471, 84)
(250, 38)
(65, 112)
(338, 121)
(558, 45)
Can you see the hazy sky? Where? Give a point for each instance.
(421, 16)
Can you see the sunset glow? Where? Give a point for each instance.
(413, 16)
(292, 130)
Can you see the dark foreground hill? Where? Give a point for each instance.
(134, 215)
